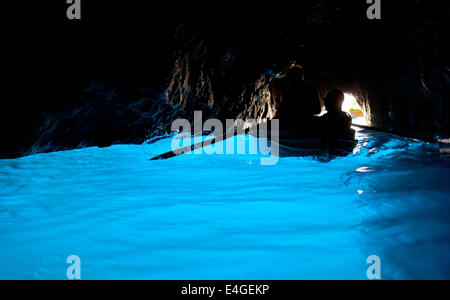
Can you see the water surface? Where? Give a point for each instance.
(227, 217)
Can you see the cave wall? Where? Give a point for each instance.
(397, 67)
(124, 73)
(94, 82)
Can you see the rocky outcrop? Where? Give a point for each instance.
(103, 117)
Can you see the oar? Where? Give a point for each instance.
(194, 147)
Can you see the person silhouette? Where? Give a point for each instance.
(297, 101)
(336, 124)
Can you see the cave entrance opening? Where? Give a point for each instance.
(352, 107)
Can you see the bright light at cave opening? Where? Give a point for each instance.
(352, 107)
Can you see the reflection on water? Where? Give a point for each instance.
(227, 217)
(365, 169)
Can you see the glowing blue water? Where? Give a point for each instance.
(227, 217)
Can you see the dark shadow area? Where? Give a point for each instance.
(125, 71)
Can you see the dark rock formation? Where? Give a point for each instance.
(103, 118)
(387, 64)
(397, 67)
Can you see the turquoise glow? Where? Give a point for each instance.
(227, 217)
